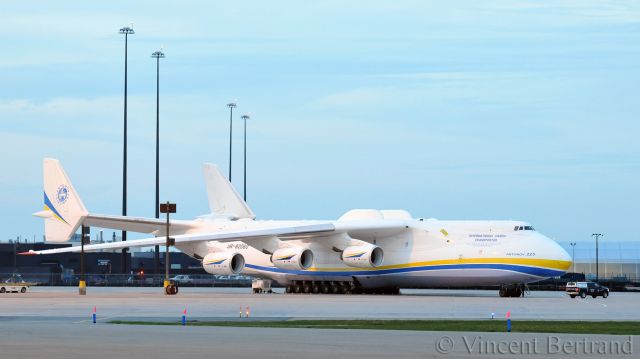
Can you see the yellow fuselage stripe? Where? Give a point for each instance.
(544, 263)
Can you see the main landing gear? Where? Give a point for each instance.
(335, 287)
(512, 290)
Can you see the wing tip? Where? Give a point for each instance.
(31, 252)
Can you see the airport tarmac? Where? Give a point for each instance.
(64, 303)
(55, 322)
(86, 341)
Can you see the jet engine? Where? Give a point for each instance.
(292, 258)
(223, 263)
(363, 256)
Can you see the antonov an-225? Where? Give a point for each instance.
(365, 250)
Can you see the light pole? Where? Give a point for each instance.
(597, 235)
(573, 256)
(127, 30)
(168, 287)
(84, 237)
(157, 55)
(231, 106)
(245, 117)
(15, 257)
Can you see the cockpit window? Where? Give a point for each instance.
(523, 228)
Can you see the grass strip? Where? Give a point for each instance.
(518, 326)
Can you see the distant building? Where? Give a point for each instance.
(616, 258)
(64, 268)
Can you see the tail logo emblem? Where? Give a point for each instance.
(63, 194)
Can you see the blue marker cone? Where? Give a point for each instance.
(94, 315)
(184, 317)
(509, 321)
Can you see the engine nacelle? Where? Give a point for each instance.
(363, 256)
(292, 258)
(223, 263)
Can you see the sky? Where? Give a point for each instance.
(522, 110)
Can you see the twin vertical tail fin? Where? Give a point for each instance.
(224, 200)
(63, 209)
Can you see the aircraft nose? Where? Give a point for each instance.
(559, 254)
(563, 255)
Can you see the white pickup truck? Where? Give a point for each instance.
(12, 285)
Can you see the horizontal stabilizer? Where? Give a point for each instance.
(153, 226)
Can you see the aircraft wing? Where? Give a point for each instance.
(222, 236)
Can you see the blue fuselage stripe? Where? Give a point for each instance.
(540, 272)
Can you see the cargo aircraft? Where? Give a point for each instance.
(365, 250)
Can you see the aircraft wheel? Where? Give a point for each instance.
(306, 288)
(297, 288)
(325, 288)
(502, 292)
(334, 288)
(315, 288)
(23, 290)
(517, 292)
(171, 289)
(289, 289)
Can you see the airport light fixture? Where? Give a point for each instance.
(597, 235)
(233, 104)
(573, 257)
(126, 31)
(157, 55)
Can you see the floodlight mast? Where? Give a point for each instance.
(245, 117)
(157, 55)
(233, 104)
(126, 31)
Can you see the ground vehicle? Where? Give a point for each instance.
(583, 289)
(182, 279)
(14, 285)
(261, 286)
